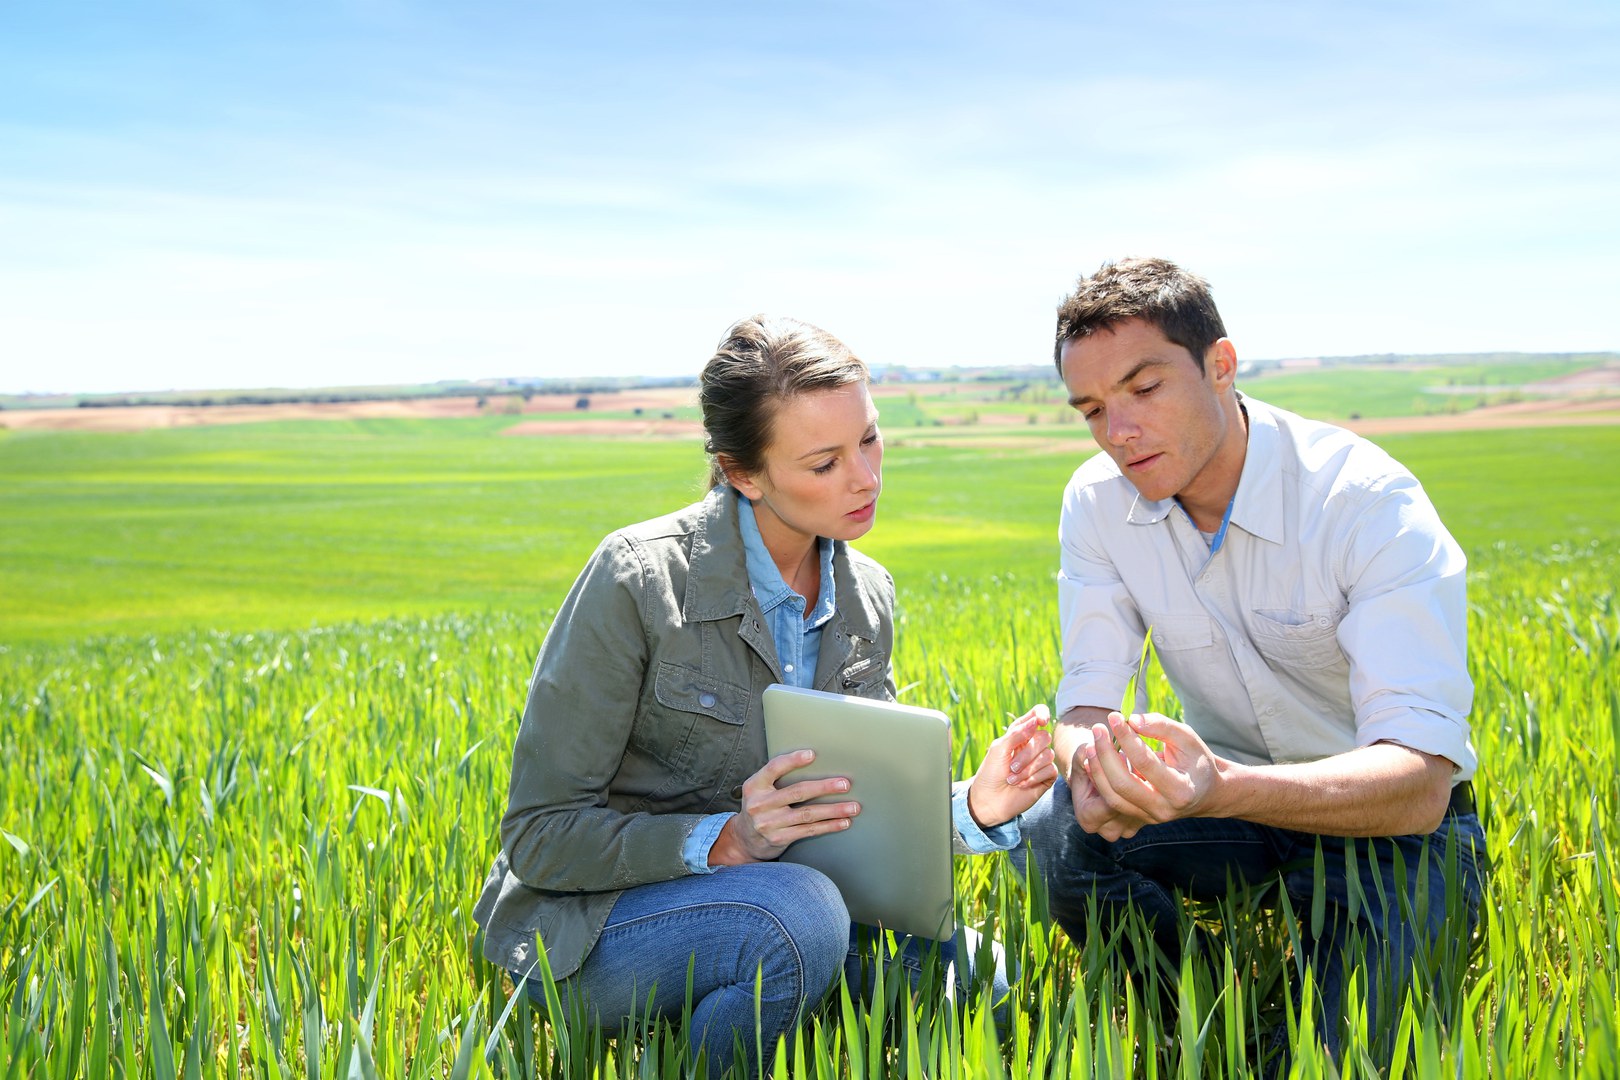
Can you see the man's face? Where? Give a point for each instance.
(1155, 413)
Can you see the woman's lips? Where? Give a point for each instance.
(864, 513)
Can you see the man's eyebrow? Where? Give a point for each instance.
(1080, 399)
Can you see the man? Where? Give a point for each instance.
(1306, 605)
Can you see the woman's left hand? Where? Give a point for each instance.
(1016, 771)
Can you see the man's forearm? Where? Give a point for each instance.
(1379, 790)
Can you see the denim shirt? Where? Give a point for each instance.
(798, 645)
(797, 635)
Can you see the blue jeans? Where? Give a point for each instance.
(1402, 909)
(780, 922)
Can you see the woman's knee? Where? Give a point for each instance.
(813, 922)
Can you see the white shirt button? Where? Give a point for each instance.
(788, 668)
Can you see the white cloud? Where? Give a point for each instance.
(432, 206)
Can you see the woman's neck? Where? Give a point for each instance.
(796, 555)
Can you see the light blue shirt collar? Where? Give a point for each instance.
(770, 589)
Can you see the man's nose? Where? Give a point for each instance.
(1122, 427)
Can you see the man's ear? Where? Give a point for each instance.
(737, 478)
(1220, 363)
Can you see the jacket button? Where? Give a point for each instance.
(736, 792)
(707, 700)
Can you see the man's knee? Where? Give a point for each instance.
(1067, 860)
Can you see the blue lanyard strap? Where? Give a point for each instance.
(1220, 534)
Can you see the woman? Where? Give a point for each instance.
(643, 820)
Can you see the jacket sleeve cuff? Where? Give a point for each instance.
(980, 841)
(695, 852)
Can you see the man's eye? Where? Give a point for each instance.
(1143, 391)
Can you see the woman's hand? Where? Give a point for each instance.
(1016, 770)
(774, 817)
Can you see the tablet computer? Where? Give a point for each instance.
(893, 863)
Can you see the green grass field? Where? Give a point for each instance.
(258, 687)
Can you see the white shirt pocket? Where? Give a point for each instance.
(1298, 639)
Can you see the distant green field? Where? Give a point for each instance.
(244, 838)
(1366, 389)
(1378, 391)
(278, 526)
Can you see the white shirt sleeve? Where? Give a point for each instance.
(1406, 631)
(1102, 629)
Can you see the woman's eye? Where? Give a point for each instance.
(824, 469)
(871, 438)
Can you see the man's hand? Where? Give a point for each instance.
(1119, 784)
(1073, 741)
(1139, 786)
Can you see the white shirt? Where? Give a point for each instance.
(1331, 616)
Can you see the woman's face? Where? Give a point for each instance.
(822, 471)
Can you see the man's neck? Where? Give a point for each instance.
(1208, 502)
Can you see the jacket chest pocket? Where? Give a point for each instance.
(693, 728)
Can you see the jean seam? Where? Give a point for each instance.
(781, 929)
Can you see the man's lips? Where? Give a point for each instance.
(1142, 462)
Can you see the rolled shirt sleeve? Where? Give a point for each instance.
(1406, 633)
(700, 841)
(1102, 629)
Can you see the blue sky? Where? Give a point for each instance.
(234, 194)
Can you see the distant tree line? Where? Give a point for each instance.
(335, 397)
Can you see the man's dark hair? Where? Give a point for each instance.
(1154, 290)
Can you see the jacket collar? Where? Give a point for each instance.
(717, 578)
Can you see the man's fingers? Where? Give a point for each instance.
(1116, 782)
(1097, 817)
(1148, 765)
(1156, 726)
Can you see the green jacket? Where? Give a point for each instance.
(644, 716)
